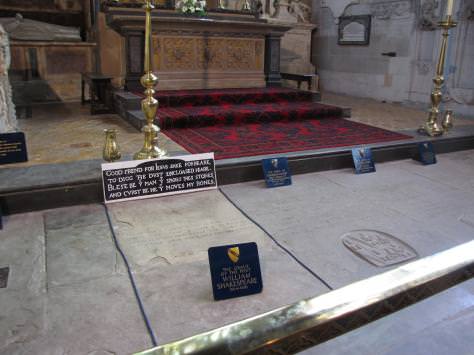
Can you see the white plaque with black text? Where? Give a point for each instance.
(138, 179)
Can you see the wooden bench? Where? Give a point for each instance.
(299, 78)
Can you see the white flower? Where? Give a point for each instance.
(191, 9)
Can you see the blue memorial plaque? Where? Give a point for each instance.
(426, 153)
(363, 161)
(276, 172)
(12, 148)
(235, 270)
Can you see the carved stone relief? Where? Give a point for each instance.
(424, 67)
(292, 11)
(338, 6)
(428, 14)
(391, 10)
(19, 28)
(201, 54)
(467, 10)
(7, 109)
(378, 248)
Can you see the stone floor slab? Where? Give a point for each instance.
(311, 216)
(79, 245)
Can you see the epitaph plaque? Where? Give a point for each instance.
(133, 180)
(235, 270)
(12, 148)
(363, 161)
(354, 30)
(276, 172)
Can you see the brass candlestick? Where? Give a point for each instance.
(149, 80)
(431, 126)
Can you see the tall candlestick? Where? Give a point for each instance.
(449, 8)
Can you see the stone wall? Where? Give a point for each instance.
(407, 29)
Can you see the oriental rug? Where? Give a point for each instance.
(236, 123)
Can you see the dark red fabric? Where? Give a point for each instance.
(247, 122)
(192, 116)
(262, 138)
(206, 97)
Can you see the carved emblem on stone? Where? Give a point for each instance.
(391, 10)
(467, 10)
(424, 67)
(427, 19)
(378, 248)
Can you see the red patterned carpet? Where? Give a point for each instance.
(229, 141)
(247, 122)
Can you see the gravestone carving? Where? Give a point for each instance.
(7, 109)
(378, 248)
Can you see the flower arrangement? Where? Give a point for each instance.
(192, 7)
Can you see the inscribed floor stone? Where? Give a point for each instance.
(311, 216)
(167, 239)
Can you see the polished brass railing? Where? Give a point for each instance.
(312, 321)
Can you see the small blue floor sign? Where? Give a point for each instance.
(426, 153)
(235, 270)
(363, 160)
(12, 148)
(276, 172)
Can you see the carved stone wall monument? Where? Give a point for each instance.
(296, 43)
(8, 121)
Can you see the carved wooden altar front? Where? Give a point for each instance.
(219, 51)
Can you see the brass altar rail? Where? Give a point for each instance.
(309, 322)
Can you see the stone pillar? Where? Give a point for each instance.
(272, 59)
(8, 121)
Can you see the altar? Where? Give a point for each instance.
(224, 49)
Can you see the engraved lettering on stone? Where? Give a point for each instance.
(378, 248)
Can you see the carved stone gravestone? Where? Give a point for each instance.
(7, 109)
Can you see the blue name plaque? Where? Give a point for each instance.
(12, 148)
(426, 153)
(276, 172)
(363, 161)
(235, 270)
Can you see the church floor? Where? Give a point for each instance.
(68, 290)
(67, 132)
